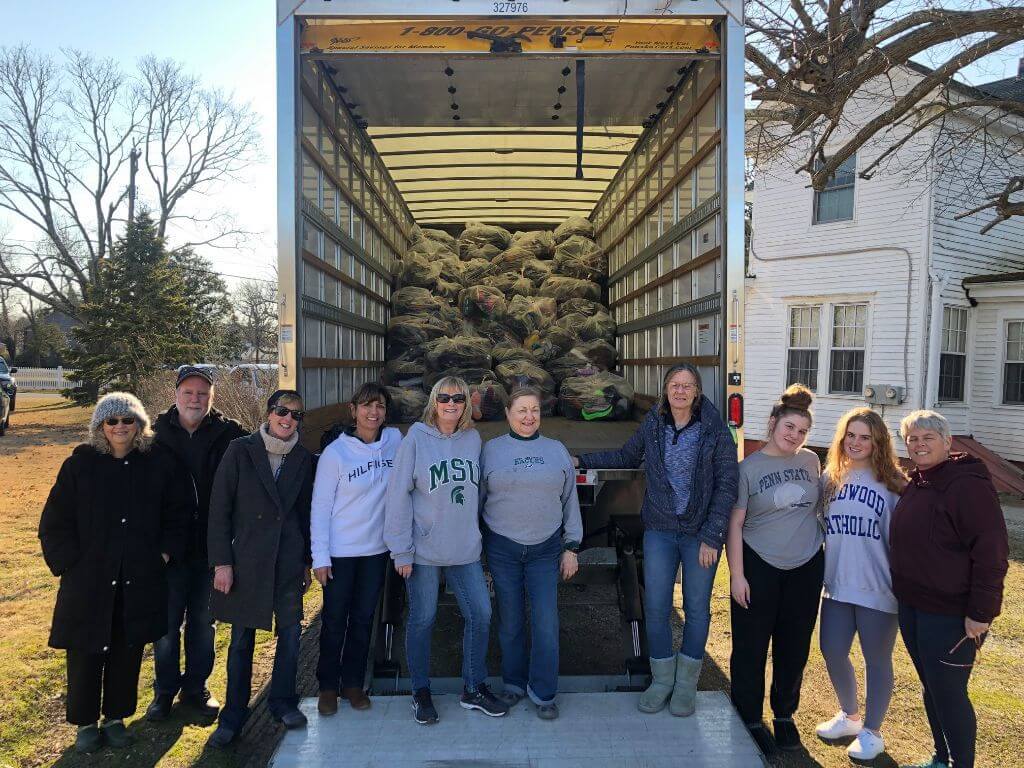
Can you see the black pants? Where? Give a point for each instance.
(783, 610)
(107, 681)
(350, 599)
(930, 639)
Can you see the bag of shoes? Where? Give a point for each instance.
(420, 270)
(407, 404)
(581, 258)
(564, 288)
(512, 259)
(540, 243)
(431, 249)
(405, 370)
(510, 284)
(526, 315)
(475, 270)
(520, 373)
(458, 352)
(574, 225)
(411, 332)
(537, 271)
(599, 326)
(414, 301)
(584, 307)
(496, 332)
(550, 343)
(453, 270)
(599, 352)
(449, 291)
(489, 400)
(469, 375)
(571, 364)
(417, 234)
(478, 239)
(601, 397)
(484, 302)
(504, 352)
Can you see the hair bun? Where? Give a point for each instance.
(797, 396)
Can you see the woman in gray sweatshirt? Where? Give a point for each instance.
(431, 527)
(532, 531)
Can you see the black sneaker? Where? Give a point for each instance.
(116, 735)
(160, 709)
(88, 739)
(787, 737)
(201, 702)
(483, 700)
(763, 739)
(423, 707)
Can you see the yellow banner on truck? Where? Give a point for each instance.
(480, 35)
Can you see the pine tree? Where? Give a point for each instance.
(132, 317)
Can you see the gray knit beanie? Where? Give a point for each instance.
(115, 404)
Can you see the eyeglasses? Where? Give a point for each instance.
(444, 397)
(682, 387)
(113, 421)
(281, 411)
(977, 649)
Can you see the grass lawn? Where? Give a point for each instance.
(33, 732)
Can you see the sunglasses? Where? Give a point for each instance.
(281, 411)
(977, 652)
(113, 421)
(444, 397)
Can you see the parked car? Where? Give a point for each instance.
(7, 381)
(5, 411)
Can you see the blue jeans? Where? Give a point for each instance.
(188, 602)
(283, 697)
(521, 570)
(663, 553)
(350, 598)
(467, 582)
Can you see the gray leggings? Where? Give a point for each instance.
(877, 631)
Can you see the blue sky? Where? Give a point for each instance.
(230, 45)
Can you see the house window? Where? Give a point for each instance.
(802, 357)
(846, 369)
(835, 201)
(953, 358)
(1013, 373)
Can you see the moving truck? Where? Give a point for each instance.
(394, 114)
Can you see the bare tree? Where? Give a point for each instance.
(255, 305)
(67, 128)
(811, 61)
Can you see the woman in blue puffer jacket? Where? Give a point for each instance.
(689, 458)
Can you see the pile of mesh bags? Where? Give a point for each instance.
(504, 310)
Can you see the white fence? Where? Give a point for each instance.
(44, 379)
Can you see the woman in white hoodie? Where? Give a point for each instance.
(347, 540)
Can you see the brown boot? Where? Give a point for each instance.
(356, 697)
(328, 703)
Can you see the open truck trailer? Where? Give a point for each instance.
(521, 114)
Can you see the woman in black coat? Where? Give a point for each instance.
(258, 540)
(113, 519)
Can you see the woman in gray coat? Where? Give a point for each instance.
(259, 550)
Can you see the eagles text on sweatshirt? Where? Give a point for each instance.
(347, 516)
(431, 511)
(528, 490)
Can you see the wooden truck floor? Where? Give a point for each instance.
(595, 730)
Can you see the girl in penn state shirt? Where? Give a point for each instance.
(532, 531)
(861, 484)
(347, 539)
(776, 566)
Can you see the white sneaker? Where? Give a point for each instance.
(839, 727)
(867, 746)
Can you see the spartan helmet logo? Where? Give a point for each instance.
(457, 495)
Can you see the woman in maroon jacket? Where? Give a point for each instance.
(948, 558)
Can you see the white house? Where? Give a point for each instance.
(872, 292)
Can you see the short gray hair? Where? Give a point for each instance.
(925, 419)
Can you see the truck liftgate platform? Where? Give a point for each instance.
(596, 729)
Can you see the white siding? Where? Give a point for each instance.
(795, 261)
(996, 426)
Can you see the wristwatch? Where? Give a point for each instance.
(571, 546)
